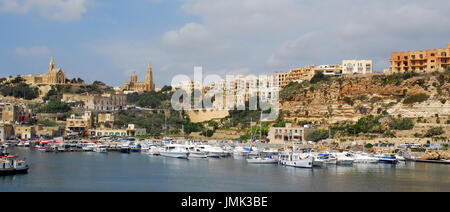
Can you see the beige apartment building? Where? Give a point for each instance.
(25, 132)
(306, 74)
(77, 124)
(288, 134)
(9, 113)
(104, 102)
(6, 131)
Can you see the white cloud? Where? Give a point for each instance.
(194, 36)
(59, 10)
(237, 16)
(32, 51)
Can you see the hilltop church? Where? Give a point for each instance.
(54, 76)
(134, 85)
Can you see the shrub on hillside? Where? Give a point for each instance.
(417, 98)
(434, 132)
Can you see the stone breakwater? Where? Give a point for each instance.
(436, 155)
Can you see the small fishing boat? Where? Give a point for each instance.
(10, 164)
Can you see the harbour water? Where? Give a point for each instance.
(114, 171)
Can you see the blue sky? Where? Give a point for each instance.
(107, 39)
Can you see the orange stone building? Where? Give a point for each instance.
(420, 61)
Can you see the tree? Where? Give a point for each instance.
(318, 76)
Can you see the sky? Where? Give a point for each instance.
(107, 40)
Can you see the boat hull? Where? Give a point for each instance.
(6, 172)
(183, 155)
(125, 150)
(214, 154)
(198, 155)
(262, 161)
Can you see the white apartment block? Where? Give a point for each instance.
(357, 66)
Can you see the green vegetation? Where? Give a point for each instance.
(401, 124)
(318, 77)
(47, 123)
(435, 131)
(361, 97)
(396, 78)
(56, 92)
(417, 98)
(152, 99)
(368, 146)
(292, 90)
(317, 135)
(96, 87)
(153, 121)
(54, 106)
(18, 89)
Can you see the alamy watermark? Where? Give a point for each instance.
(212, 92)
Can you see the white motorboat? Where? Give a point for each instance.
(400, 158)
(342, 159)
(296, 159)
(195, 152)
(88, 147)
(101, 149)
(175, 151)
(364, 158)
(154, 150)
(212, 151)
(387, 158)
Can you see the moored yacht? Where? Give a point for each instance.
(387, 158)
(175, 151)
(364, 158)
(343, 159)
(212, 151)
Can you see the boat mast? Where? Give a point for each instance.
(165, 125)
(260, 127)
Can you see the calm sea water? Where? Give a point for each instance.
(140, 172)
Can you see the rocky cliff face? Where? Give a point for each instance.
(351, 97)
